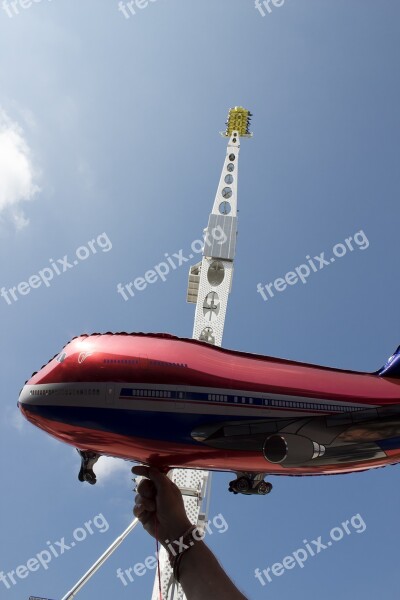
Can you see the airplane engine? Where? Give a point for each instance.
(291, 449)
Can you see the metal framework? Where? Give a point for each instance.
(209, 286)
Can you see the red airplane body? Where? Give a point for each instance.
(173, 402)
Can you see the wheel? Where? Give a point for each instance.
(232, 487)
(90, 478)
(242, 485)
(264, 488)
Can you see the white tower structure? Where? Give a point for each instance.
(210, 283)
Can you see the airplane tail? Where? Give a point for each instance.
(392, 367)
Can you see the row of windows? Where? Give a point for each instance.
(66, 392)
(279, 403)
(310, 405)
(199, 396)
(162, 363)
(246, 400)
(152, 393)
(218, 397)
(221, 398)
(135, 361)
(124, 361)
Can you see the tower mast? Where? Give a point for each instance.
(210, 283)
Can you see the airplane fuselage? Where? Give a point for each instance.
(174, 402)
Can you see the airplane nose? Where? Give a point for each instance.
(25, 401)
(24, 398)
(30, 401)
(28, 396)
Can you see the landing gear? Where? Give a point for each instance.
(264, 487)
(88, 460)
(250, 484)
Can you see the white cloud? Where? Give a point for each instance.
(13, 418)
(108, 467)
(17, 173)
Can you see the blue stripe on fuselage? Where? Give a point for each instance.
(390, 444)
(163, 426)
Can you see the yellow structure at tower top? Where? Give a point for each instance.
(238, 121)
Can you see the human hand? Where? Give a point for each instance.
(159, 504)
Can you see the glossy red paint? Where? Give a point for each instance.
(164, 359)
(161, 454)
(211, 367)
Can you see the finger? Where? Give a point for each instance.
(138, 510)
(140, 470)
(146, 488)
(147, 520)
(138, 499)
(159, 479)
(147, 503)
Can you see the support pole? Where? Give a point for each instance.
(89, 574)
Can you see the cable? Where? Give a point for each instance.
(157, 555)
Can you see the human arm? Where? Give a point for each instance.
(159, 506)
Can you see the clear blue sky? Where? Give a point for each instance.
(111, 125)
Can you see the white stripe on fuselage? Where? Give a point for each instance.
(218, 401)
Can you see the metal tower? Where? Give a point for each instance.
(210, 283)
